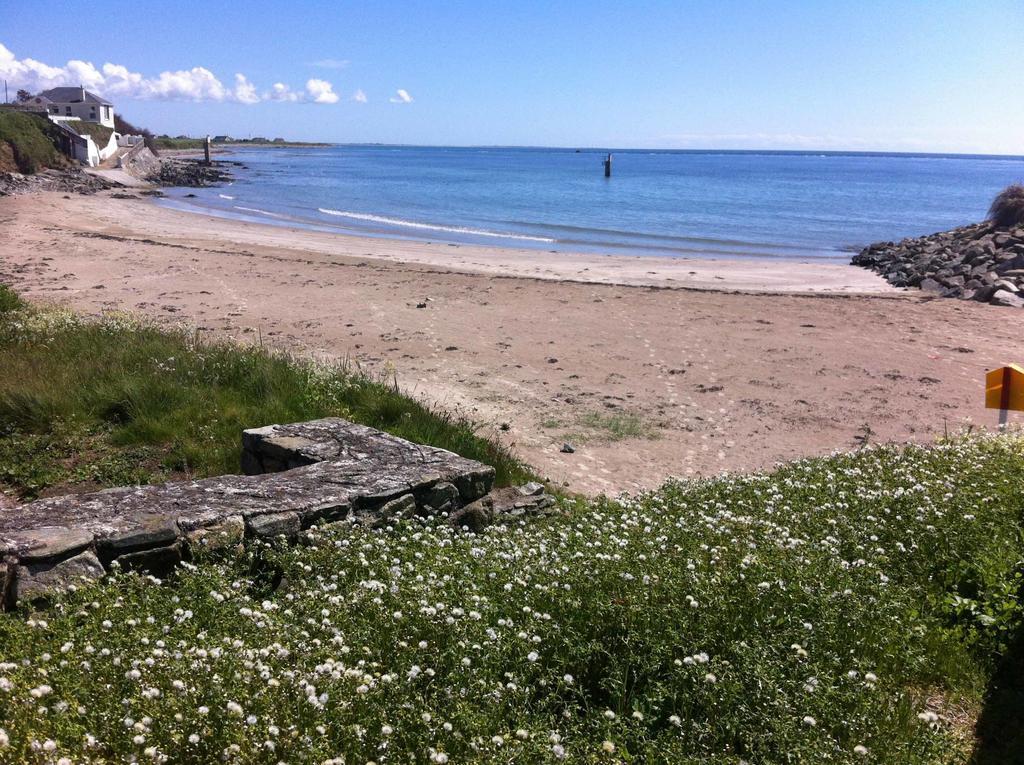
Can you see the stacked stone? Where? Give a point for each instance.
(314, 473)
(979, 262)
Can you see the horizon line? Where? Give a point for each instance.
(867, 152)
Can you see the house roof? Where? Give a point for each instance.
(73, 96)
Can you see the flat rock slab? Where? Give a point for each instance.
(328, 470)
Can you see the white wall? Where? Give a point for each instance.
(104, 115)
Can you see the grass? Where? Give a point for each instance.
(618, 426)
(31, 141)
(591, 427)
(1007, 210)
(77, 396)
(100, 134)
(847, 609)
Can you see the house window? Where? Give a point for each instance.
(67, 110)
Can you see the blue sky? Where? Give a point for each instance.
(898, 76)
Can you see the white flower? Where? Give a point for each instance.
(193, 738)
(860, 749)
(638, 715)
(808, 720)
(532, 656)
(234, 709)
(522, 734)
(363, 689)
(497, 740)
(608, 746)
(675, 720)
(609, 714)
(387, 730)
(49, 745)
(711, 677)
(559, 751)
(439, 757)
(5, 740)
(568, 679)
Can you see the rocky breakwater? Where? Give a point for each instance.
(175, 171)
(982, 262)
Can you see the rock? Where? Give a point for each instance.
(189, 172)
(39, 580)
(46, 543)
(1008, 299)
(530, 489)
(984, 293)
(5, 583)
(228, 534)
(476, 516)
(931, 285)
(1005, 284)
(567, 448)
(158, 561)
(142, 534)
(273, 525)
(393, 510)
(441, 496)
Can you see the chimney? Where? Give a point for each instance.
(83, 91)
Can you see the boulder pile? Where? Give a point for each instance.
(73, 181)
(979, 262)
(175, 171)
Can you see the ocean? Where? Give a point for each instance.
(791, 205)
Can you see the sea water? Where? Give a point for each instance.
(792, 205)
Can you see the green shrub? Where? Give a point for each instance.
(9, 300)
(32, 140)
(1007, 210)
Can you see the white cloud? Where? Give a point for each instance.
(359, 97)
(401, 97)
(245, 91)
(281, 92)
(116, 80)
(321, 91)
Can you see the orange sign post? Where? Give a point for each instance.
(1004, 390)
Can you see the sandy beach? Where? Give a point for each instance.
(649, 367)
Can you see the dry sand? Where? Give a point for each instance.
(649, 367)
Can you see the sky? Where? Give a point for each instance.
(898, 75)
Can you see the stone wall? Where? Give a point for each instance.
(297, 475)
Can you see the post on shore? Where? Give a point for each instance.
(206, 149)
(608, 166)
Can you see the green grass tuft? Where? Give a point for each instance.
(32, 140)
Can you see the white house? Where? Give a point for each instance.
(76, 102)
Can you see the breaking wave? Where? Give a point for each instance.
(430, 226)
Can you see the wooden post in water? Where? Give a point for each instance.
(206, 149)
(608, 167)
